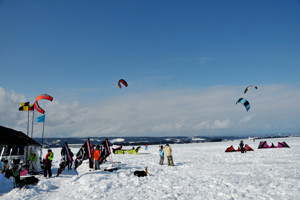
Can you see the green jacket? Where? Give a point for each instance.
(33, 157)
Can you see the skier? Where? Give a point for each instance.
(96, 157)
(168, 151)
(48, 163)
(161, 155)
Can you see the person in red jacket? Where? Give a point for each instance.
(48, 163)
(96, 157)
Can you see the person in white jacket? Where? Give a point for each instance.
(168, 151)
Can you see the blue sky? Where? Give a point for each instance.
(173, 54)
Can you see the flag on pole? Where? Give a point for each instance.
(84, 153)
(40, 118)
(26, 107)
(31, 107)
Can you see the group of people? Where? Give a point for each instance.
(96, 154)
(168, 150)
(65, 162)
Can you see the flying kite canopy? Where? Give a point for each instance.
(42, 96)
(249, 87)
(122, 81)
(245, 102)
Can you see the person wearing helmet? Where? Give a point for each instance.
(48, 163)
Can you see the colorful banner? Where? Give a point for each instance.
(26, 107)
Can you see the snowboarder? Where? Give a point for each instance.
(48, 163)
(168, 151)
(96, 157)
(161, 155)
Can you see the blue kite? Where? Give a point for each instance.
(245, 102)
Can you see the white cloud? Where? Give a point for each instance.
(246, 119)
(274, 108)
(219, 124)
(202, 125)
(9, 108)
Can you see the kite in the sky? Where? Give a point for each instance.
(122, 81)
(245, 102)
(249, 87)
(42, 96)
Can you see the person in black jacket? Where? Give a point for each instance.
(242, 146)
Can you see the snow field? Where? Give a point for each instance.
(202, 171)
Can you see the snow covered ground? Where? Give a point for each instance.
(202, 171)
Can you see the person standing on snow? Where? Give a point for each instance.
(48, 163)
(96, 157)
(161, 155)
(242, 146)
(168, 151)
(63, 151)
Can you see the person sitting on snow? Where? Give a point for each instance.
(15, 169)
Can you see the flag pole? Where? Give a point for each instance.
(43, 130)
(43, 137)
(32, 124)
(26, 156)
(28, 123)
